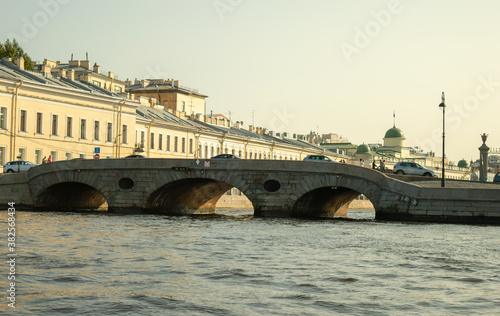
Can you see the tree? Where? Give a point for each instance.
(13, 50)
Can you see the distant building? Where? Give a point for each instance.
(81, 70)
(169, 94)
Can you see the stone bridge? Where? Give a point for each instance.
(276, 188)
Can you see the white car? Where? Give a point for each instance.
(18, 166)
(318, 158)
(412, 168)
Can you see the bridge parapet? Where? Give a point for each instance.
(275, 188)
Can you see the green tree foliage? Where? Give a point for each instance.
(13, 50)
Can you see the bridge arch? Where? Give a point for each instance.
(71, 196)
(188, 196)
(330, 197)
(324, 202)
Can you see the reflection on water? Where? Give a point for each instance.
(235, 264)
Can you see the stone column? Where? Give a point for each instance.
(483, 161)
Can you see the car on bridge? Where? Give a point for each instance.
(18, 166)
(318, 158)
(412, 168)
(225, 156)
(497, 177)
(135, 156)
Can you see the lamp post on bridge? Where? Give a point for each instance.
(443, 105)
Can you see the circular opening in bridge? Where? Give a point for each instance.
(126, 183)
(272, 185)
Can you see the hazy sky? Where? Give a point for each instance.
(330, 66)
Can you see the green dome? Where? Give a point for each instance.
(394, 133)
(363, 149)
(463, 164)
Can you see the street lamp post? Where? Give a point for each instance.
(443, 105)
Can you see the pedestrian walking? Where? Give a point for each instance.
(50, 158)
(382, 165)
(44, 160)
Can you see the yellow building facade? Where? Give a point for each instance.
(45, 116)
(42, 115)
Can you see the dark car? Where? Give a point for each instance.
(226, 156)
(318, 158)
(136, 156)
(497, 177)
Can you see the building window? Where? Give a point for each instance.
(83, 128)
(96, 83)
(183, 106)
(143, 136)
(39, 122)
(191, 146)
(23, 121)
(96, 129)
(22, 153)
(38, 156)
(68, 156)
(160, 142)
(55, 119)
(176, 143)
(183, 147)
(152, 141)
(124, 134)
(82, 155)
(53, 155)
(2, 155)
(69, 126)
(206, 151)
(118, 89)
(168, 143)
(3, 117)
(212, 151)
(109, 132)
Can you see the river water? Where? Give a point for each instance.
(235, 264)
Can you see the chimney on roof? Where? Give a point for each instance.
(143, 83)
(110, 74)
(20, 62)
(175, 84)
(250, 128)
(74, 63)
(97, 68)
(46, 70)
(85, 64)
(71, 74)
(62, 73)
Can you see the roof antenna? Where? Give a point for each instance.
(394, 116)
(71, 56)
(87, 55)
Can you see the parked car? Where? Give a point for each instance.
(136, 156)
(18, 166)
(318, 158)
(413, 168)
(226, 156)
(497, 177)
